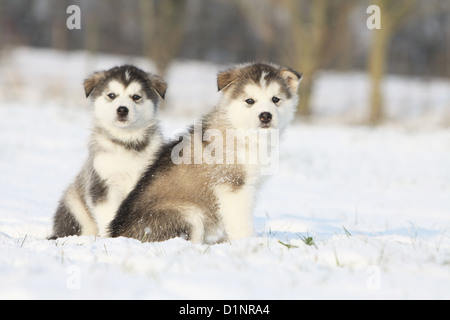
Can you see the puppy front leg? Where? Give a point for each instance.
(236, 210)
(72, 216)
(105, 211)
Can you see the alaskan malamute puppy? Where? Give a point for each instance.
(185, 193)
(124, 141)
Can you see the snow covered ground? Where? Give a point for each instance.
(353, 213)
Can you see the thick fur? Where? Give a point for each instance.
(123, 143)
(211, 202)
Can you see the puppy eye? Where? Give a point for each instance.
(112, 96)
(136, 97)
(250, 101)
(275, 99)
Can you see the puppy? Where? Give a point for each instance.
(123, 143)
(200, 189)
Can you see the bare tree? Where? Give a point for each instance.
(308, 25)
(162, 30)
(1, 31)
(393, 15)
(59, 35)
(261, 22)
(92, 34)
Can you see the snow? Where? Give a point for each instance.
(375, 201)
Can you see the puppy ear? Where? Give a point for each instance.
(91, 82)
(225, 78)
(158, 83)
(292, 77)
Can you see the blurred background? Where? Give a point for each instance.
(398, 73)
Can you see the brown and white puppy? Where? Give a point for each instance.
(203, 186)
(124, 140)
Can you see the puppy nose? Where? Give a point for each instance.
(265, 117)
(122, 111)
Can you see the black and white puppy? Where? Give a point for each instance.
(124, 140)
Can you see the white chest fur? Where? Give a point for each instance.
(119, 169)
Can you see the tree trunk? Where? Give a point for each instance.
(162, 31)
(393, 15)
(308, 43)
(92, 38)
(377, 67)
